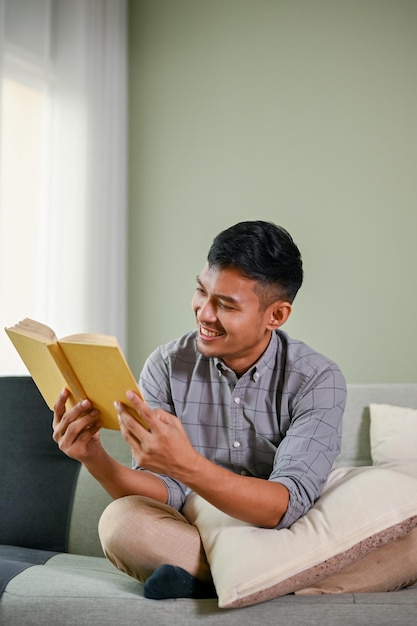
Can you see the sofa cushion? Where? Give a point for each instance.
(37, 479)
(14, 560)
(360, 509)
(393, 434)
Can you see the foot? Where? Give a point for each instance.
(169, 581)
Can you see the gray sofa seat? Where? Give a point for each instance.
(74, 590)
(50, 508)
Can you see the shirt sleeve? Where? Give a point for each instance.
(312, 442)
(155, 387)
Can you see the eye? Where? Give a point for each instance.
(225, 307)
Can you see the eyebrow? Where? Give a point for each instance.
(219, 295)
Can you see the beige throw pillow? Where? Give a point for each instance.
(393, 435)
(361, 509)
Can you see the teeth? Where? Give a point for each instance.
(209, 333)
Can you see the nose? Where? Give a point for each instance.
(205, 311)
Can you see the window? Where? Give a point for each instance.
(63, 117)
(23, 167)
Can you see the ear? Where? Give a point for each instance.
(278, 313)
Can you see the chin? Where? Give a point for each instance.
(206, 348)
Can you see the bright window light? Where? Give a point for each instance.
(22, 205)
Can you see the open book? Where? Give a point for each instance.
(89, 365)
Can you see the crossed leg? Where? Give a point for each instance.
(139, 535)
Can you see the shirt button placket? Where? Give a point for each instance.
(236, 410)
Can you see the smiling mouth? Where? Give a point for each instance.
(206, 333)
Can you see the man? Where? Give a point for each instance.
(238, 412)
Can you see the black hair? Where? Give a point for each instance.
(261, 251)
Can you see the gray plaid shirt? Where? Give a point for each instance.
(280, 421)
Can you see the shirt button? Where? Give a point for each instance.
(243, 472)
(236, 400)
(236, 444)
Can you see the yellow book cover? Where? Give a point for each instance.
(89, 365)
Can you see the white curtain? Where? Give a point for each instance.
(81, 227)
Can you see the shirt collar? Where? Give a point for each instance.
(265, 361)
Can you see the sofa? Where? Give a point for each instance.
(52, 569)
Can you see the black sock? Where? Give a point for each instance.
(169, 581)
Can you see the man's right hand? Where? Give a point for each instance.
(76, 431)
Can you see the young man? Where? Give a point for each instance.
(238, 412)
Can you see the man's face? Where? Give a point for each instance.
(231, 323)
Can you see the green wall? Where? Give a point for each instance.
(303, 112)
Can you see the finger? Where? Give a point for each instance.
(151, 416)
(143, 411)
(72, 419)
(139, 403)
(89, 424)
(129, 428)
(127, 421)
(80, 429)
(59, 406)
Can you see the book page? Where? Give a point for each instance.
(31, 328)
(91, 338)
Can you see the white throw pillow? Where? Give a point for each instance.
(393, 434)
(362, 508)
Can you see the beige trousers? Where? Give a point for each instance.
(139, 534)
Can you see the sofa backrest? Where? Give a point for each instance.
(47, 500)
(90, 500)
(50, 501)
(36, 479)
(356, 420)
